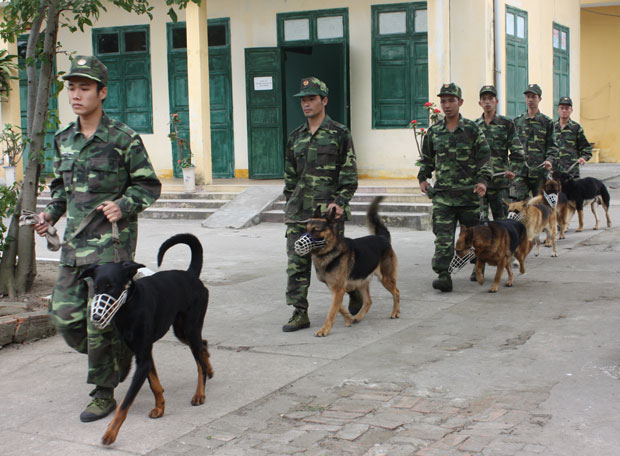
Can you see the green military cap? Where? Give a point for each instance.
(488, 89)
(450, 89)
(312, 86)
(566, 101)
(88, 66)
(534, 88)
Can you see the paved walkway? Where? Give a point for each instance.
(532, 370)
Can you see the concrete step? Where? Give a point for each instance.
(193, 203)
(415, 220)
(361, 206)
(186, 213)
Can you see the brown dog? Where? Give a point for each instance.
(345, 264)
(536, 218)
(563, 210)
(495, 243)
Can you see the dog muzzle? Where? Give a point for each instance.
(552, 198)
(459, 263)
(516, 216)
(104, 307)
(306, 244)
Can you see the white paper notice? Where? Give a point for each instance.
(263, 83)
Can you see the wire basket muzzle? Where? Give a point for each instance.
(104, 307)
(552, 198)
(457, 263)
(516, 216)
(306, 244)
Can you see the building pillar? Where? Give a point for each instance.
(198, 90)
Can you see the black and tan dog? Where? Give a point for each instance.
(564, 209)
(154, 303)
(537, 218)
(345, 264)
(495, 243)
(582, 192)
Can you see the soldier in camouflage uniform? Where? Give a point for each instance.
(101, 168)
(457, 151)
(536, 133)
(571, 140)
(320, 170)
(501, 137)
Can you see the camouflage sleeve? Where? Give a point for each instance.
(552, 146)
(58, 205)
(143, 187)
(290, 171)
(347, 178)
(517, 156)
(583, 145)
(427, 161)
(482, 154)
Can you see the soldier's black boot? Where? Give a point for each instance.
(355, 302)
(443, 282)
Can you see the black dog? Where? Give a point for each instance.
(585, 191)
(154, 303)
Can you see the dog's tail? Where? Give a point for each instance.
(375, 224)
(195, 265)
(605, 195)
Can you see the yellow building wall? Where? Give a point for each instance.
(600, 75)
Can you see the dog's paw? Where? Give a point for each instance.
(395, 314)
(109, 437)
(493, 289)
(480, 280)
(157, 412)
(554, 255)
(198, 399)
(509, 284)
(323, 332)
(579, 230)
(595, 228)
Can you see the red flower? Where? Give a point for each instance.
(422, 130)
(414, 122)
(437, 111)
(428, 103)
(178, 161)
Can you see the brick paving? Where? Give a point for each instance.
(372, 421)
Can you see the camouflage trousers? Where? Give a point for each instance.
(444, 228)
(526, 185)
(494, 199)
(69, 312)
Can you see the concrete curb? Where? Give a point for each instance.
(25, 327)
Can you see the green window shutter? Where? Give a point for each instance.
(561, 65)
(137, 87)
(399, 65)
(516, 60)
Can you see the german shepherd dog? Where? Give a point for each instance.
(536, 218)
(585, 191)
(154, 303)
(345, 264)
(558, 209)
(495, 243)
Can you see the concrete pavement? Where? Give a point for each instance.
(532, 370)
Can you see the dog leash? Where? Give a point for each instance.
(54, 244)
(572, 166)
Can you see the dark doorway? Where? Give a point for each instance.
(324, 61)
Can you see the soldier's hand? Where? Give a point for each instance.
(423, 186)
(510, 175)
(45, 220)
(111, 210)
(582, 161)
(339, 210)
(480, 189)
(547, 164)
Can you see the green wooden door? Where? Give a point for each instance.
(561, 66)
(264, 113)
(177, 87)
(516, 61)
(220, 93)
(48, 144)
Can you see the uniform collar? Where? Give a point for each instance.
(101, 132)
(323, 125)
(460, 125)
(493, 120)
(569, 124)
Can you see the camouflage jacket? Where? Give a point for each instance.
(572, 145)
(501, 135)
(537, 137)
(319, 169)
(460, 159)
(111, 165)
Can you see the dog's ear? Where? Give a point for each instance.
(88, 272)
(317, 212)
(331, 214)
(131, 268)
(506, 201)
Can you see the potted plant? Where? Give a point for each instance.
(185, 154)
(12, 142)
